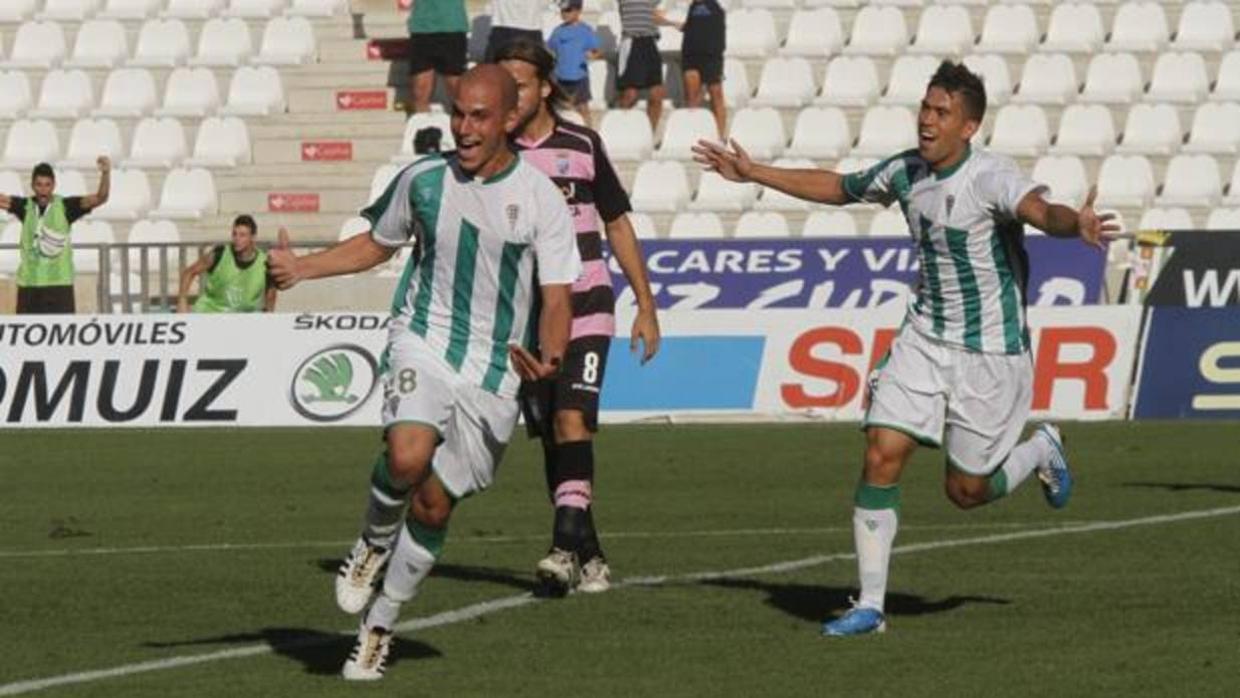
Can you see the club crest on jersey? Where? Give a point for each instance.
(561, 165)
(513, 211)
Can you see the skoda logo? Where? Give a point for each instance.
(333, 383)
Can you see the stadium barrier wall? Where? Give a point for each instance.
(304, 370)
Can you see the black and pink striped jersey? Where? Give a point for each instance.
(574, 158)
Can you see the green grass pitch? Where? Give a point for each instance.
(200, 563)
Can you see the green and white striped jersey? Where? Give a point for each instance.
(970, 245)
(469, 288)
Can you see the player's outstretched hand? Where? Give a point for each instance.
(282, 264)
(733, 165)
(1096, 229)
(530, 367)
(646, 331)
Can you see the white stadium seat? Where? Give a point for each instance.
(254, 9)
(660, 186)
(66, 94)
(12, 183)
(601, 88)
(769, 4)
(255, 91)
(70, 183)
(353, 226)
(188, 194)
(1047, 79)
(1152, 129)
(1020, 130)
(736, 88)
(68, 10)
(820, 132)
(761, 224)
(995, 76)
(1009, 29)
(1224, 219)
(909, 77)
(130, 9)
(100, 43)
(417, 122)
(821, 224)
(287, 41)
(157, 143)
(193, 9)
(718, 194)
(15, 95)
(751, 34)
(1215, 129)
(1205, 26)
(223, 42)
(1191, 180)
(10, 234)
(888, 223)
(814, 33)
(91, 138)
(772, 200)
(878, 31)
(1113, 78)
(760, 130)
(128, 92)
(850, 82)
(130, 197)
(317, 8)
(17, 10)
(689, 226)
(1074, 28)
(149, 232)
(886, 131)
(1065, 175)
(30, 142)
(643, 226)
(1085, 129)
(1139, 26)
(1233, 186)
(161, 43)
(685, 127)
(944, 30)
(381, 179)
(1125, 180)
(627, 134)
(1179, 78)
(1165, 219)
(90, 232)
(190, 92)
(37, 45)
(785, 82)
(222, 142)
(1227, 87)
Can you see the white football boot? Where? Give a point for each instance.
(368, 660)
(359, 575)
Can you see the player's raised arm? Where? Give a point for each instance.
(1062, 221)
(356, 254)
(734, 164)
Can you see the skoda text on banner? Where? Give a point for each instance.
(833, 273)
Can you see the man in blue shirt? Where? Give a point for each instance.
(573, 43)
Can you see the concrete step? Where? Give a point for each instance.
(346, 126)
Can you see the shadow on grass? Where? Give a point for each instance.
(1186, 486)
(320, 653)
(815, 603)
(461, 573)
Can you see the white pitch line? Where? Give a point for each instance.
(294, 545)
(480, 609)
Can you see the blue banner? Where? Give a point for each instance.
(833, 273)
(1190, 364)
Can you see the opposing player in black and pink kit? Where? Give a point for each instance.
(564, 411)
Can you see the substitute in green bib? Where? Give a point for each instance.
(45, 275)
(236, 276)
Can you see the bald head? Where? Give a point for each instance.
(489, 82)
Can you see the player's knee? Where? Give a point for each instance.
(965, 494)
(431, 509)
(408, 460)
(881, 467)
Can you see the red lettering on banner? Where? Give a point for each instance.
(293, 203)
(327, 150)
(373, 51)
(1092, 372)
(353, 100)
(802, 360)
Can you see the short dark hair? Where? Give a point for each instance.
(537, 55)
(248, 221)
(43, 170)
(958, 79)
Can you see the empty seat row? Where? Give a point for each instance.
(187, 194)
(1150, 129)
(163, 43)
(78, 10)
(132, 92)
(157, 143)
